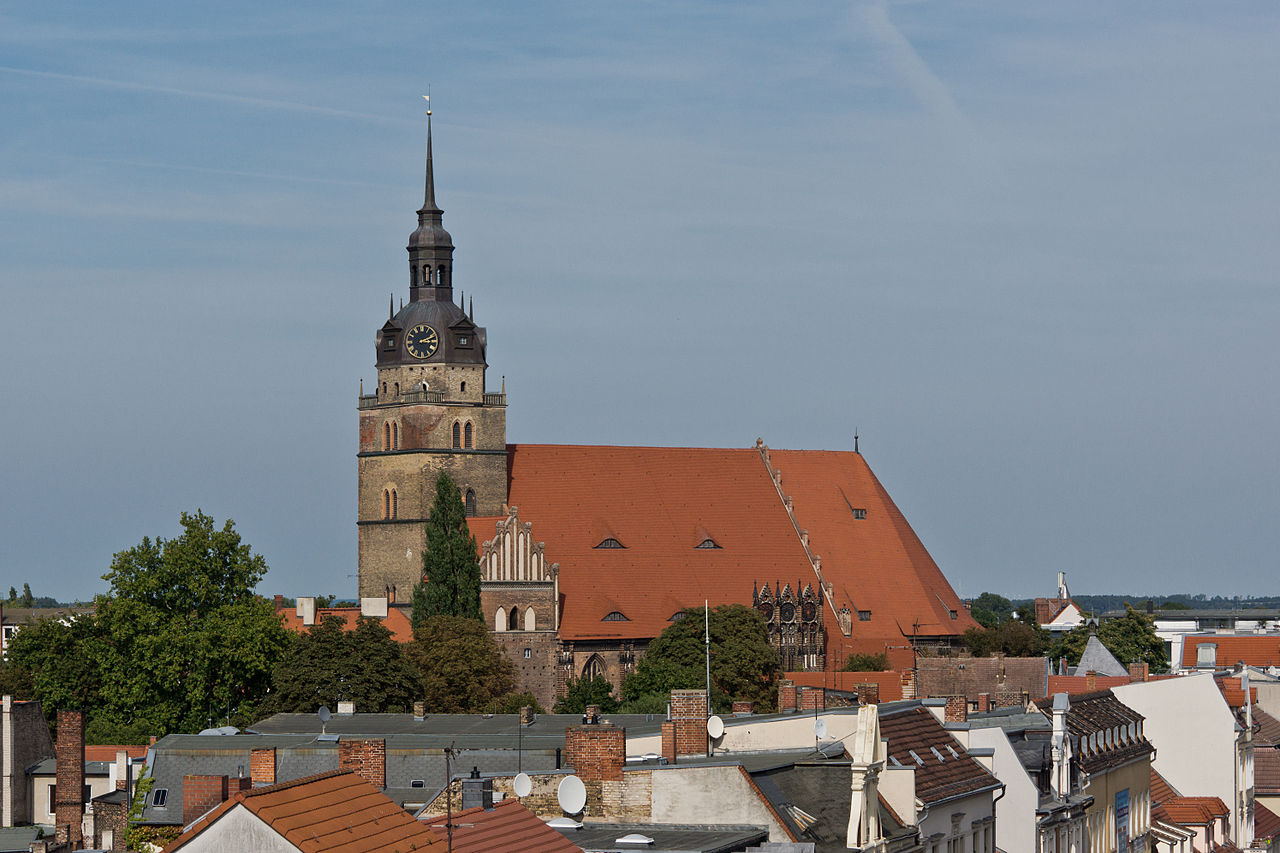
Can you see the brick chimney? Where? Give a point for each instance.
(813, 699)
(419, 711)
(669, 742)
(526, 715)
(200, 794)
(1139, 671)
(68, 807)
(123, 771)
(262, 766)
(689, 713)
(592, 714)
(786, 695)
(1091, 680)
(957, 710)
(869, 694)
(366, 758)
(984, 702)
(596, 752)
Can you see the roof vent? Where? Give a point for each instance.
(634, 838)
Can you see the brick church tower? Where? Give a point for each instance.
(429, 412)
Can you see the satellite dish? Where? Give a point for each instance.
(572, 795)
(324, 714)
(715, 727)
(522, 785)
(820, 729)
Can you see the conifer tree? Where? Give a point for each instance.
(450, 564)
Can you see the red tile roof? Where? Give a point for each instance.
(334, 812)
(1161, 790)
(1193, 811)
(1233, 692)
(1266, 824)
(1266, 770)
(507, 826)
(660, 503)
(890, 682)
(396, 621)
(969, 676)
(108, 753)
(1259, 650)
(1267, 728)
(916, 730)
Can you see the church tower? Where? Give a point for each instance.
(429, 412)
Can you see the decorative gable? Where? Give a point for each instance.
(512, 555)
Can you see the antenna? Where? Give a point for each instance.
(572, 795)
(706, 617)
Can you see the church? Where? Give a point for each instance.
(588, 552)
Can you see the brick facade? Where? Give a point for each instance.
(669, 742)
(813, 699)
(262, 766)
(689, 713)
(786, 696)
(366, 758)
(596, 752)
(69, 786)
(957, 710)
(200, 794)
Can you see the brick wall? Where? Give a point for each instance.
(262, 766)
(200, 794)
(742, 709)
(669, 742)
(786, 695)
(110, 818)
(689, 713)
(869, 694)
(1139, 671)
(957, 710)
(1007, 698)
(69, 791)
(596, 752)
(984, 702)
(812, 699)
(366, 758)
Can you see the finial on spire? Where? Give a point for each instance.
(429, 197)
(855, 439)
(391, 306)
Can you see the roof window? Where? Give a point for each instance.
(159, 797)
(418, 783)
(918, 759)
(677, 616)
(610, 544)
(614, 616)
(864, 615)
(860, 514)
(707, 545)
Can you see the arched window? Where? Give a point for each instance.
(467, 432)
(386, 503)
(614, 616)
(426, 275)
(395, 435)
(397, 389)
(593, 667)
(500, 620)
(513, 621)
(530, 620)
(384, 387)
(395, 509)
(707, 545)
(386, 435)
(463, 389)
(457, 434)
(471, 502)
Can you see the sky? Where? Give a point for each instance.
(1028, 251)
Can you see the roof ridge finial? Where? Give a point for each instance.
(855, 440)
(429, 196)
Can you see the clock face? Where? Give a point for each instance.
(422, 341)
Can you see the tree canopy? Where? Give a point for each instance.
(743, 663)
(582, 692)
(1013, 637)
(866, 662)
(450, 564)
(1130, 638)
(990, 609)
(462, 669)
(329, 664)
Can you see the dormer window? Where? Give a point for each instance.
(464, 340)
(610, 544)
(614, 616)
(677, 616)
(860, 514)
(389, 342)
(707, 545)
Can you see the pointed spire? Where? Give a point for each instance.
(462, 299)
(391, 308)
(429, 196)
(471, 312)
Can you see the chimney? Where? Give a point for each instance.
(68, 807)
(123, 771)
(742, 708)
(262, 766)
(1091, 680)
(689, 713)
(813, 699)
(596, 752)
(984, 702)
(366, 758)
(957, 710)
(526, 715)
(279, 600)
(786, 695)
(477, 791)
(419, 711)
(669, 742)
(1138, 671)
(869, 693)
(592, 714)
(1060, 744)
(346, 709)
(374, 608)
(307, 610)
(200, 794)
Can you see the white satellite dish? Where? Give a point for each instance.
(523, 785)
(715, 727)
(324, 713)
(572, 795)
(820, 729)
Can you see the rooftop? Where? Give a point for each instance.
(943, 768)
(506, 826)
(667, 837)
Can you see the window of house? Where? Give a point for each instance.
(471, 502)
(53, 797)
(614, 616)
(707, 545)
(390, 342)
(464, 340)
(159, 797)
(457, 434)
(864, 615)
(467, 433)
(395, 436)
(528, 653)
(859, 514)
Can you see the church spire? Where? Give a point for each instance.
(429, 196)
(430, 246)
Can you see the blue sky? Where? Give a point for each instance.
(1028, 249)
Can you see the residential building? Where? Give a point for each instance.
(1059, 614)
(24, 741)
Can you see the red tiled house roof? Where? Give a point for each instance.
(396, 620)
(507, 826)
(661, 503)
(966, 676)
(1233, 692)
(1266, 770)
(1193, 811)
(108, 753)
(916, 730)
(1048, 609)
(889, 682)
(1260, 650)
(1267, 728)
(1161, 790)
(1266, 824)
(334, 812)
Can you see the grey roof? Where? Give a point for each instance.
(1097, 659)
(491, 730)
(1011, 719)
(668, 837)
(821, 790)
(49, 767)
(17, 838)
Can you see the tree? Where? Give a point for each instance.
(1130, 638)
(329, 664)
(990, 609)
(187, 643)
(13, 596)
(865, 662)
(27, 600)
(1013, 637)
(450, 565)
(513, 702)
(582, 692)
(743, 663)
(58, 660)
(461, 670)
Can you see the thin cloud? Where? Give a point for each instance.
(222, 97)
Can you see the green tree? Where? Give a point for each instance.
(329, 664)
(864, 662)
(460, 668)
(1014, 637)
(990, 609)
(1173, 605)
(582, 692)
(513, 702)
(13, 596)
(1130, 638)
(450, 564)
(188, 644)
(27, 600)
(743, 663)
(58, 660)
